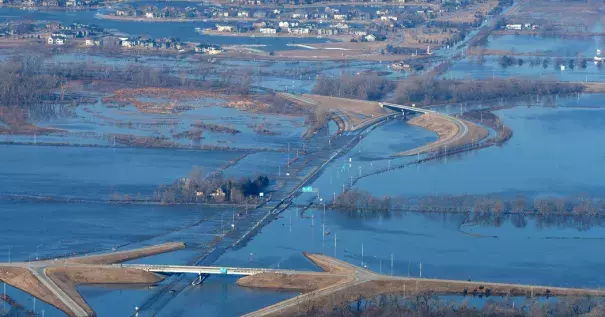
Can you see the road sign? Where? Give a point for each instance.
(308, 189)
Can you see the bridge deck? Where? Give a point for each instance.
(207, 269)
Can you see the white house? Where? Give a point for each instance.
(370, 38)
(340, 17)
(224, 28)
(243, 14)
(149, 15)
(300, 31)
(284, 24)
(268, 31)
(514, 26)
(56, 40)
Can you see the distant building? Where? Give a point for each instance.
(268, 31)
(300, 31)
(370, 38)
(149, 15)
(56, 40)
(224, 28)
(514, 26)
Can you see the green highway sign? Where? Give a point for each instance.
(307, 189)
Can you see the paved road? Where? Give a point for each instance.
(38, 269)
(462, 130)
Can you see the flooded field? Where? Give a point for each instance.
(56, 200)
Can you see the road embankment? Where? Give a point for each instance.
(451, 131)
(295, 282)
(123, 256)
(67, 278)
(23, 279)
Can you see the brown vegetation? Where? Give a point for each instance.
(357, 111)
(298, 282)
(364, 87)
(24, 280)
(406, 301)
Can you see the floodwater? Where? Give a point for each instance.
(554, 151)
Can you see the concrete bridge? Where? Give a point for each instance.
(202, 270)
(405, 109)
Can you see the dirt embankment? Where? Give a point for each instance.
(594, 87)
(297, 282)
(355, 111)
(449, 131)
(123, 256)
(329, 264)
(68, 277)
(444, 128)
(24, 280)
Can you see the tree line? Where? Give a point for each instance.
(356, 200)
(362, 86)
(421, 304)
(426, 91)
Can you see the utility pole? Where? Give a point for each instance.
(334, 245)
(323, 233)
(362, 254)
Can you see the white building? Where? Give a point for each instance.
(514, 26)
(149, 15)
(268, 31)
(300, 31)
(224, 28)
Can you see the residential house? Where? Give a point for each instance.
(208, 49)
(243, 14)
(224, 28)
(514, 26)
(370, 38)
(91, 42)
(218, 194)
(259, 14)
(340, 17)
(268, 31)
(149, 15)
(300, 31)
(56, 40)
